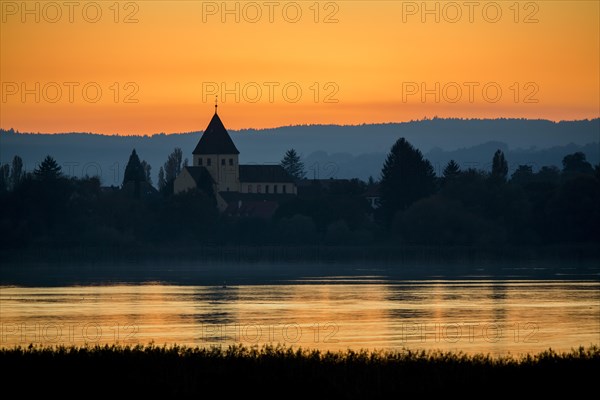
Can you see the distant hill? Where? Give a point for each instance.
(328, 150)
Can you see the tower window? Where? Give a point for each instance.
(208, 160)
(284, 187)
(258, 188)
(266, 188)
(222, 161)
(249, 188)
(231, 161)
(274, 188)
(200, 161)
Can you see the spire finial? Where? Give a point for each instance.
(216, 103)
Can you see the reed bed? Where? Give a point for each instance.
(286, 372)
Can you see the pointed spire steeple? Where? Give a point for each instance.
(215, 139)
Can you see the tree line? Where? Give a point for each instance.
(461, 207)
(477, 207)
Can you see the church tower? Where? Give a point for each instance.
(217, 153)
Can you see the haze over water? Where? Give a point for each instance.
(327, 313)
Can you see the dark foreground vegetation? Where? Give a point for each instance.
(466, 208)
(290, 373)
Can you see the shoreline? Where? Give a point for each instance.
(303, 253)
(241, 265)
(235, 273)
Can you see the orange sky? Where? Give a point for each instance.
(353, 62)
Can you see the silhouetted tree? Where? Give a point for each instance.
(16, 173)
(134, 171)
(468, 186)
(451, 170)
(499, 166)
(574, 211)
(576, 163)
(171, 169)
(48, 169)
(439, 220)
(293, 165)
(548, 174)
(4, 177)
(173, 165)
(178, 215)
(135, 175)
(352, 186)
(522, 175)
(405, 178)
(162, 183)
(147, 168)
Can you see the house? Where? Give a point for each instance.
(216, 162)
(373, 196)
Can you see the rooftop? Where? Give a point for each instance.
(264, 173)
(215, 139)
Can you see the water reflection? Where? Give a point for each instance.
(495, 317)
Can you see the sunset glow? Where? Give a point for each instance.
(159, 65)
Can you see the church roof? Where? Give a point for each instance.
(264, 173)
(215, 139)
(198, 174)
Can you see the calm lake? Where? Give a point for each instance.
(476, 315)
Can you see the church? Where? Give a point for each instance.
(240, 190)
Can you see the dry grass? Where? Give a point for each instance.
(284, 372)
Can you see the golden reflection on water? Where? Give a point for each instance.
(497, 317)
